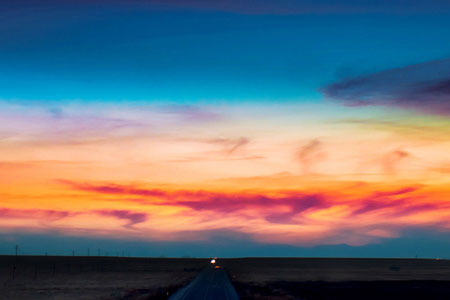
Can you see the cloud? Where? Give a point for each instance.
(230, 149)
(424, 88)
(239, 143)
(279, 208)
(400, 202)
(310, 154)
(355, 214)
(24, 123)
(191, 113)
(298, 205)
(231, 145)
(266, 205)
(113, 189)
(54, 215)
(49, 215)
(402, 191)
(296, 202)
(391, 160)
(410, 128)
(132, 217)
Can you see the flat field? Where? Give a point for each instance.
(93, 278)
(340, 278)
(118, 278)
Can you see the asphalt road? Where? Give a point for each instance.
(210, 284)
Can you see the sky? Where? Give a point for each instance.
(225, 128)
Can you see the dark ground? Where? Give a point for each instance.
(117, 278)
(86, 278)
(334, 278)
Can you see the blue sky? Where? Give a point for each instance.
(126, 52)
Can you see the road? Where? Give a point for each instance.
(210, 284)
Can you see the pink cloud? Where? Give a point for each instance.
(344, 218)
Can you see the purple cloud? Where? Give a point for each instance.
(298, 205)
(424, 88)
(297, 202)
(279, 208)
(390, 199)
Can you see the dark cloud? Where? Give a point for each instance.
(423, 87)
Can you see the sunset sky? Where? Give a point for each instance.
(225, 128)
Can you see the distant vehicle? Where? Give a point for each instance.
(213, 261)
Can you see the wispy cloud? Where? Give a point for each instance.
(133, 218)
(391, 159)
(114, 189)
(310, 154)
(233, 145)
(191, 113)
(41, 214)
(283, 207)
(411, 128)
